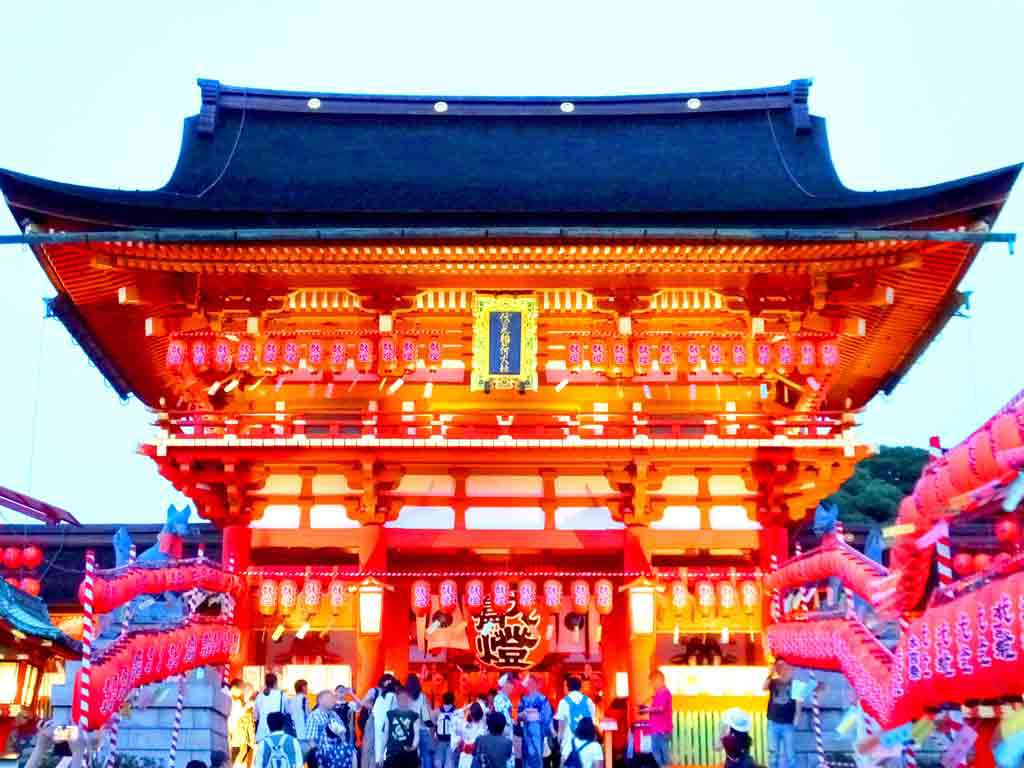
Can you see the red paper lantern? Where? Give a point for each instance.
(828, 354)
(501, 594)
(763, 354)
(963, 563)
(268, 597)
(222, 356)
(316, 354)
(246, 355)
(408, 352)
(739, 354)
(620, 354)
(290, 353)
(641, 357)
(574, 353)
(271, 353)
(336, 594)
(32, 557)
(339, 355)
(1007, 530)
(475, 596)
(12, 558)
(434, 352)
(806, 355)
(419, 597)
(200, 355)
(527, 595)
(716, 354)
(604, 596)
(177, 351)
(287, 596)
(579, 591)
(312, 592)
(694, 354)
(1008, 430)
(365, 354)
(598, 355)
(30, 585)
(982, 562)
(666, 355)
(553, 595)
(448, 595)
(388, 353)
(784, 354)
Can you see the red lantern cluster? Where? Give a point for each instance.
(833, 558)
(144, 657)
(315, 352)
(805, 354)
(22, 559)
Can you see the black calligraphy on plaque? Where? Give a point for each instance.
(506, 640)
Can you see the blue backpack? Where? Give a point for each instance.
(577, 711)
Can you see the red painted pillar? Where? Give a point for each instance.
(983, 757)
(236, 547)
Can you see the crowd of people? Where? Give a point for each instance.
(395, 725)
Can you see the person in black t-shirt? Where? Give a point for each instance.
(403, 735)
(494, 748)
(783, 714)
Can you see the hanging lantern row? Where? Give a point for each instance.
(27, 584)
(29, 558)
(285, 596)
(281, 354)
(504, 594)
(641, 356)
(709, 598)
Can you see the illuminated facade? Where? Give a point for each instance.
(473, 342)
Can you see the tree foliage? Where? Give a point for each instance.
(878, 484)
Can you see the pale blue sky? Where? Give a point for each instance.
(94, 93)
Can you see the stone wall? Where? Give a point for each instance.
(147, 732)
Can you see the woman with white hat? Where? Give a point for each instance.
(736, 739)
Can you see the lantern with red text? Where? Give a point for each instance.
(287, 596)
(434, 354)
(620, 356)
(598, 355)
(364, 354)
(419, 597)
(245, 357)
(290, 353)
(222, 355)
(574, 354)
(177, 351)
(785, 355)
(268, 597)
(726, 597)
(527, 595)
(316, 354)
(763, 354)
(200, 355)
(750, 596)
(579, 592)
(448, 596)
(271, 354)
(642, 357)
(501, 595)
(666, 355)
(337, 355)
(806, 355)
(705, 597)
(716, 354)
(336, 594)
(475, 595)
(604, 596)
(388, 354)
(694, 354)
(312, 592)
(553, 595)
(828, 354)
(407, 352)
(739, 354)
(679, 598)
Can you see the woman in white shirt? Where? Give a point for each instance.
(270, 699)
(464, 740)
(586, 746)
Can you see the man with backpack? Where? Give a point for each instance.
(446, 721)
(278, 749)
(571, 710)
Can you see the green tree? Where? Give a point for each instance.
(878, 484)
